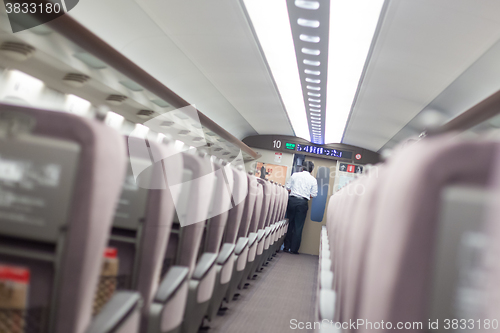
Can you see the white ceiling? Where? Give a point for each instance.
(423, 47)
(429, 54)
(204, 51)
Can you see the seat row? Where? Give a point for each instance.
(180, 232)
(409, 245)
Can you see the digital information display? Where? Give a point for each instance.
(290, 146)
(324, 151)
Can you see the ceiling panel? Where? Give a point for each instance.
(216, 36)
(204, 51)
(422, 47)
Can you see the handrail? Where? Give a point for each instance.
(84, 38)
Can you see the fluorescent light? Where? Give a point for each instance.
(307, 4)
(352, 25)
(272, 26)
(19, 87)
(311, 62)
(308, 79)
(314, 110)
(315, 105)
(314, 100)
(140, 131)
(309, 38)
(308, 23)
(313, 88)
(316, 118)
(180, 146)
(306, 50)
(160, 137)
(114, 120)
(315, 122)
(311, 72)
(77, 105)
(315, 114)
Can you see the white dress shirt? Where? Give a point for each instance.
(302, 185)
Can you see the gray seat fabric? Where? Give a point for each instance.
(401, 292)
(358, 244)
(213, 235)
(246, 219)
(264, 217)
(221, 205)
(144, 216)
(65, 269)
(240, 194)
(196, 189)
(381, 246)
(485, 279)
(252, 231)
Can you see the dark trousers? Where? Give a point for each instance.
(296, 213)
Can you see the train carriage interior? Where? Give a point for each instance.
(184, 166)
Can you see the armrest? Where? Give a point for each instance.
(206, 262)
(225, 253)
(326, 280)
(171, 283)
(326, 264)
(118, 309)
(260, 234)
(327, 304)
(240, 245)
(252, 237)
(267, 231)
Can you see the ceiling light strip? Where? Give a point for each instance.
(271, 24)
(310, 29)
(352, 27)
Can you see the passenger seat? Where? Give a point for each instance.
(61, 179)
(143, 219)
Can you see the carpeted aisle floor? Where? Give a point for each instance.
(286, 290)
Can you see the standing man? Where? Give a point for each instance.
(263, 172)
(302, 187)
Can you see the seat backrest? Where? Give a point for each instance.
(398, 268)
(487, 297)
(354, 195)
(240, 192)
(272, 205)
(66, 173)
(277, 203)
(221, 204)
(358, 240)
(284, 194)
(249, 209)
(192, 210)
(266, 203)
(259, 199)
(143, 219)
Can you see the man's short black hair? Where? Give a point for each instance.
(308, 166)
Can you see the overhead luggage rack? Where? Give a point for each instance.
(66, 26)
